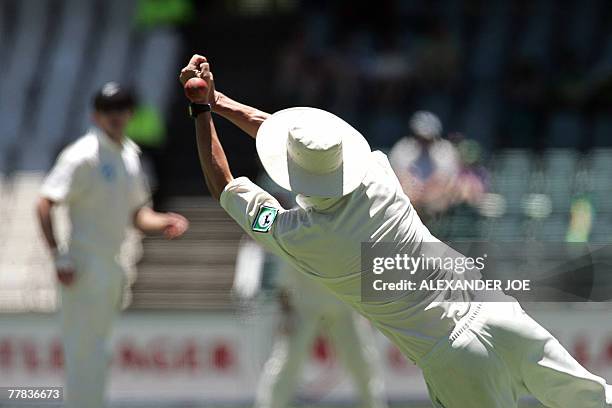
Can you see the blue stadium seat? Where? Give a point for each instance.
(113, 45)
(439, 103)
(62, 79)
(582, 29)
(599, 171)
(512, 169)
(18, 71)
(385, 128)
(480, 116)
(517, 163)
(537, 35)
(560, 167)
(490, 49)
(553, 229)
(604, 65)
(159, 53)
(566, 130)
(4, 35)
(602, 229)
(602, 131)
(507, 229)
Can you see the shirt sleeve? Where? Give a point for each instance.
(140, 193)
(255, 210)
(68, 178)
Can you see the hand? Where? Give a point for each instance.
(198, 67)
(66, 276)
(64, 268)
(176, 225)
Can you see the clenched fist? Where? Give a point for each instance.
(197, 81)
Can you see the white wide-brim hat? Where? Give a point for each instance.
(312, 152)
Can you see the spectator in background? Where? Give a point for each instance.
(426, 164)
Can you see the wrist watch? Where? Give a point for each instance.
(196, 108)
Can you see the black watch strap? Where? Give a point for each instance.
(196, 108)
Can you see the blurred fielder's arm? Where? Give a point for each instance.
(67, 181)
(212, 157)
(64, 267)
(245, 117)
(150, 221)
(43, 210)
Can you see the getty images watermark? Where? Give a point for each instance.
(459, 264)
(534, 272)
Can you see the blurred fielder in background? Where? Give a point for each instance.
(472, 353)
(306, 310)
(99, 178)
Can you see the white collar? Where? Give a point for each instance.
(107, 142)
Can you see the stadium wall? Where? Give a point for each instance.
(217, 358)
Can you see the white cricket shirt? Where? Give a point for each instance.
(306, 293)
(322, 238)
(102, 184)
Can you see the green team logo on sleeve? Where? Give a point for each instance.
(264, 219)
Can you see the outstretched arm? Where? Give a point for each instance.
(245, 117)
(212, 157)
(150, 221)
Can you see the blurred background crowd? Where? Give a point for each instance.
(496, 116)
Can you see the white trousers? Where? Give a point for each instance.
(352, 340)
(89, 308)
(498, 353)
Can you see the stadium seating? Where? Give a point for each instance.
(491, 44)
(480, 116)
(600, 168)
(19, 74)
(113, 44)
(195, 272)
(602, 132)
(560, 166)
(535, 42)
(82, 44)
(61, 78)
(26, 280)
(566, 130)
(511, 172)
